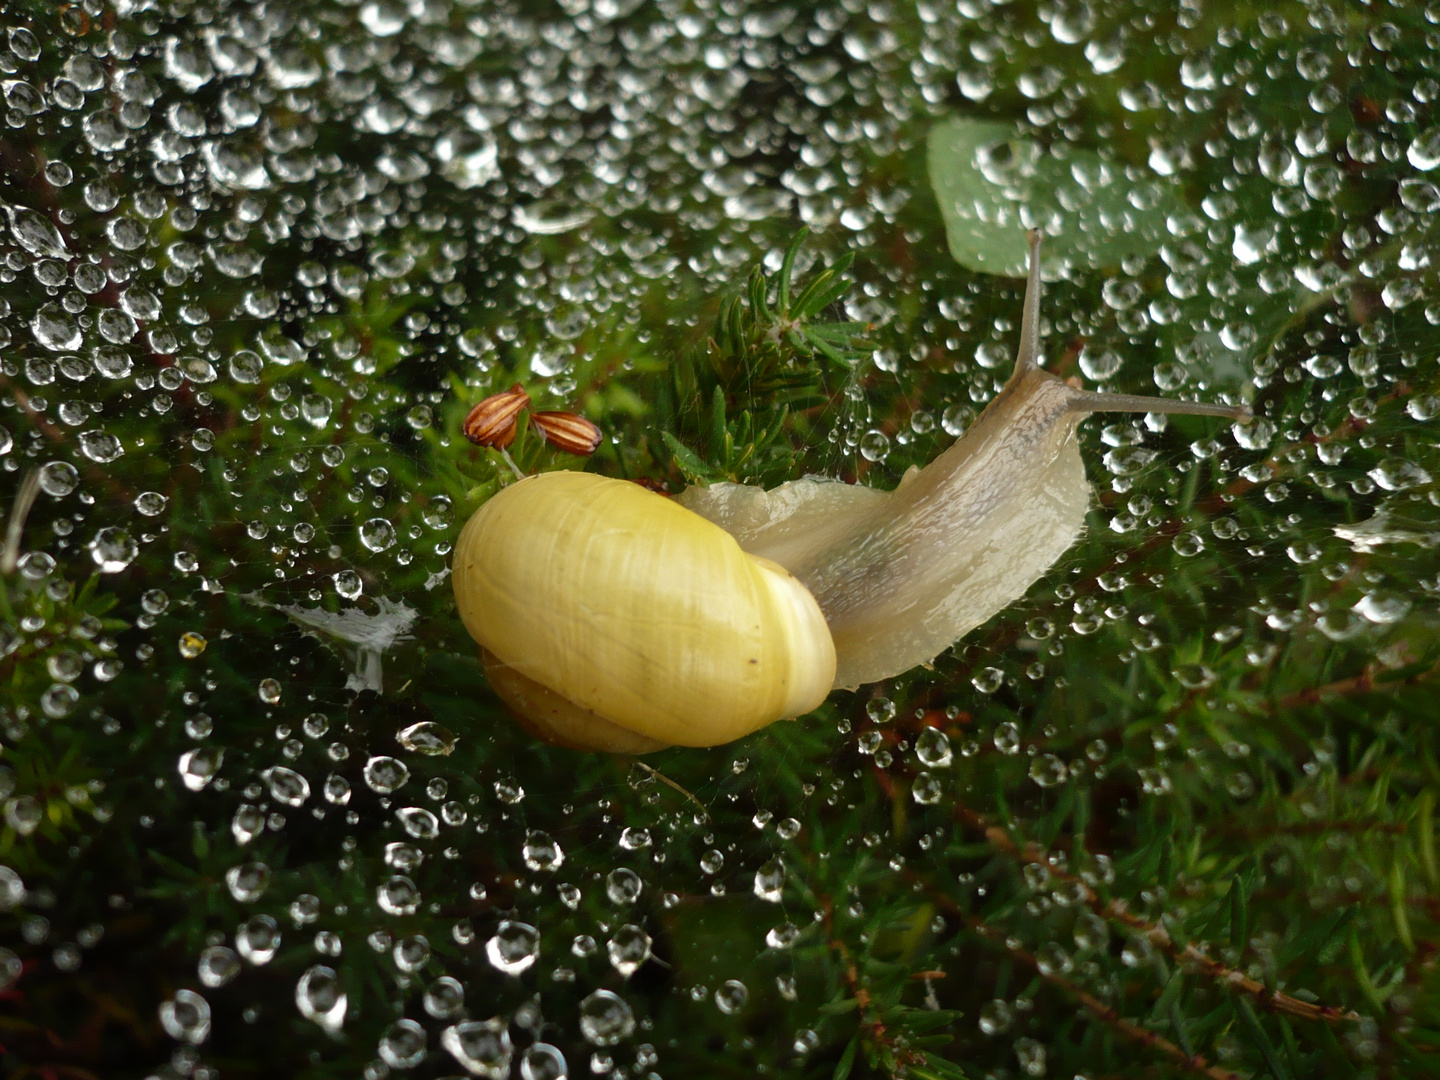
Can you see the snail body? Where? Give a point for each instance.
(567, 580)
(902, 575)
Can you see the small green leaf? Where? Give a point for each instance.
(1177, 1021)
(686, 460)
(758, 307)
(847, 1059)
(1239, 917)
(1372, 993)
(931, 1042)
(199, 842)
(825, 297)
(817, 285)
(1425, 837)
(717, 419)
(1398, 910)
(788, 266)
(829, 351)
(985, 176)
(1253, 1027)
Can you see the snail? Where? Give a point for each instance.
(612, 618)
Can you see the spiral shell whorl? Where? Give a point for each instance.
(633, 608)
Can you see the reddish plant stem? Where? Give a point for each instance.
(1190, 956)
(1097, 1008)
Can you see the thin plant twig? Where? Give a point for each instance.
(1190, 956)
(15, 526)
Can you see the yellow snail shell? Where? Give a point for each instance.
(614, 619)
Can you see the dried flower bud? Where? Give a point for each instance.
(568, 432)
(492, 422)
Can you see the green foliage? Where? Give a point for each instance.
(1172, 814)
(737, 390)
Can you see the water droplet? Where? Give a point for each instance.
(186, 1017)
(996, 1017)
(467, 158)
(410, 953)
(1091, 932)
(55, 329)
(286, 785)
(1424, 151)
(198, 767)
(1047, 770)
(1031, 1055)
(278, 349)
(113, 549)
(1399, 474)
(316, 409)
(337, 790)
(398, 896)
(248, 881)
(514, 948)
(932, 747)
(770, 881)
(258, 939)
(1007, 738)
(246, 366)
(59, 478)
(541, 852)
(427, 738)
(319, 998)
(1383, 608)
(269, 691)
(605, 1019)
(542, 1061)
(880, 710)
(12, 889)
(1419, 196)
(111, 362)
(23, 814)
(623, 886)
(1099, 364)
(377, 534)
(100, 447)
(444, 998)
(628, 948)
(875, 446)
(731, 996)
(482, 1047)
(24, 44)
(419, 822)
(988, 680)
(783, 936)
(402, 1045)
(248, 823)
(926, 789)
(348, 584)
(34, 232)
(217, 966)
(11, 968)
(1137, 952)
(384, 775)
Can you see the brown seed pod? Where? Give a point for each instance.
(492, 422)
(568, 432)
